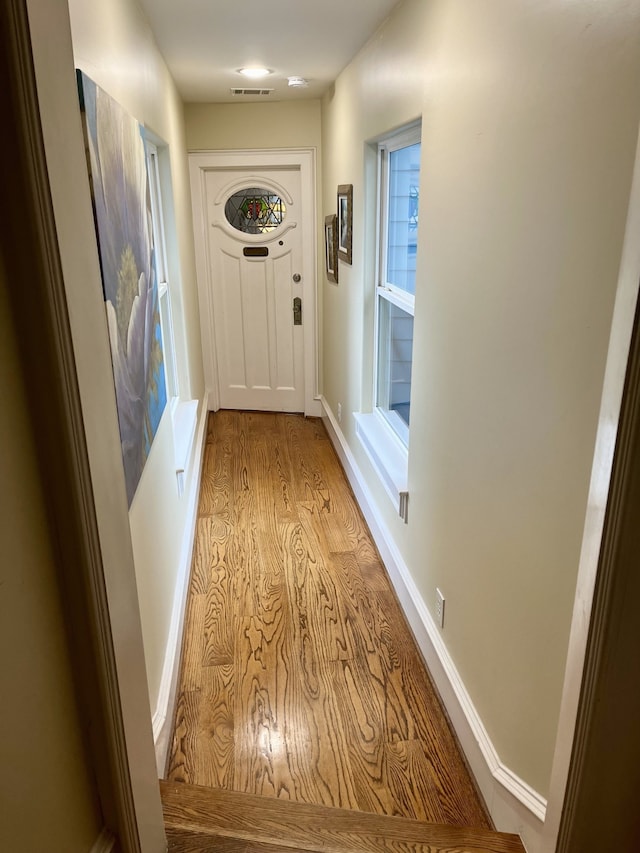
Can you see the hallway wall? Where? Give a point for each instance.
(47, 790)
(278, 124)
(113, 44)
(529, 125)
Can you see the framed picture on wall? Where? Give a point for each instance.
(331, 247)
(345, 221)
(122, 206)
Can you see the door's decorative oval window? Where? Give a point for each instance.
(255, 210)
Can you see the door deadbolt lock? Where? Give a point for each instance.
(297, 277)
(297, 311)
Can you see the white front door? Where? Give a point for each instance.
(255, 264)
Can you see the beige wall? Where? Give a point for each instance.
(282, 124)
(47, 792)
(113, 44)
(530, 117)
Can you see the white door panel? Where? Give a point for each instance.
(258, 350)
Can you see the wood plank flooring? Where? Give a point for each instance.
(205, 819)
(300, 679)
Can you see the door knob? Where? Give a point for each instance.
(297, 311)
(297, 277)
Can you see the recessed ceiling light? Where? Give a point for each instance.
(298, 82)
(254, 72)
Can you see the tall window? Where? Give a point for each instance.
(399, 175)
(160, 251)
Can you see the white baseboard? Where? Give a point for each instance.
(163, 716)
(104, 843)
(513, 805)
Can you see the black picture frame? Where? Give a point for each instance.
(345, 222)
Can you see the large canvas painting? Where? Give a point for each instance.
(122, 209)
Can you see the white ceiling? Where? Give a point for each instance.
(204, 42)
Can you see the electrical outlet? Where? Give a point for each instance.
(439, 608)
(339, 412)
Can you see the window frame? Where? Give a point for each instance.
(164, 291)
(385, 290)
(184, 412)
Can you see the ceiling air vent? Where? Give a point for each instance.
(251, 91)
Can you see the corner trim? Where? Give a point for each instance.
(163, 716)
(104, 843)
(505, 793)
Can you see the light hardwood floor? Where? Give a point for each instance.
(300, 678)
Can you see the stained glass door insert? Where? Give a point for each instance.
(255, 210)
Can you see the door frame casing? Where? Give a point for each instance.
(304, 159)
(597, 568)
(67, 369)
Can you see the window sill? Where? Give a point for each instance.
(184, 415)
(388, 456)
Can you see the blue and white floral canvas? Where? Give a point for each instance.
(122, 209)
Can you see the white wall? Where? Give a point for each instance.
(529, 123)
(47, 790)
(114, 46)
